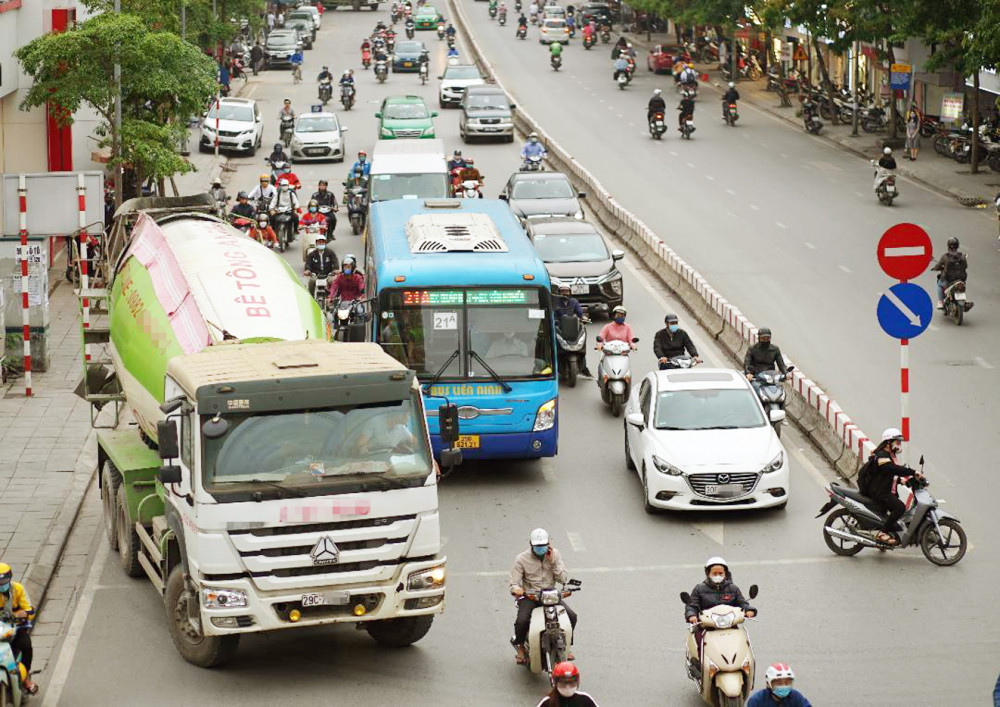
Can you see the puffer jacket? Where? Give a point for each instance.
(706, 595)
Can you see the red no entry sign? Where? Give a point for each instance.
(904, 251)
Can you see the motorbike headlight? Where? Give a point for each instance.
(223, 598)
(724, 620)
(775, 463)
(545, 418)
(432, 578)
(665, 467)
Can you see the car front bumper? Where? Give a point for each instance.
(502, 129)
(676, 493)
(318, 151)
(227, 142)
(406, 66)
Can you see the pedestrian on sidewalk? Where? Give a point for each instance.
(256, 56)
(912, 134)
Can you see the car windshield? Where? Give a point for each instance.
(304, 16)
(405, 111)
(453, 331)
(432, 185)
(228, 111)
(484, 101)
(325, 124)
(708, 410)
(287, 40)
(461, 73)
(542, 189)
(571, 247)
(409, 47)
(314, 452)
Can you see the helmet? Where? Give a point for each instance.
(618, 309)
(348, 260)
(216, 182)
(312, 203)
(288, 100)
(283, 183)
(539, 536)
(670, 319)
(242, 195)
(326, 68)
(6, 573)
(763, 331)
(262, 217)
(952, 243)
(533, 137)
(778, 671)
(712, 561)
(362, 153)
(891, 433)
(347, 73)
(564, 288)
(278, 147)
(265, 178)
(657, 92)
(732, 85)
(887, 151)
(457, 153)
(565, 672)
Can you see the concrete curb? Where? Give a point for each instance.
(819, 416)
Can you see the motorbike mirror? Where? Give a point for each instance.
(599, 339)
(440, 76)
(635, 340)
(379, 114)
(512, 106)
(574, 583)
(753, 591)
(791, 368)
(685, 597)
(434, 114)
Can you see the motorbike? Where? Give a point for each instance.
(325, 91)
(550, 634)
(769, 388)
(605, 35)
(347, 96)
(724, 667)
(502, 18)
(522, 32)
(571, 341)
(657, 125)
(423, 73)
(956, 302)
(885, 184)
(589, 41)
(686, 127)
(470, 189)
(241, 223)
(279, 168)
(12, 671)
(614, 374)
(622, 79)
(533, 18)
(410, 28)
(348, 320)
(812, 124)
(356, 205)
(450, 41)
(366, 59)
(532, 163)
(327, 211)
(680, 361)
(287, 127)
(517, 5)
(855, 525)
(556, 62)
(731, 115)
(440, 31)
(390, 45)
(283, 221)
(493, 12)
(381, 70)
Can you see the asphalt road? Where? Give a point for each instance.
(875, 629)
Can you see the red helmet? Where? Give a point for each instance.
(565, 672)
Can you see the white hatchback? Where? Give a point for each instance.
(235, 123)
(317, 136)
(699, 439)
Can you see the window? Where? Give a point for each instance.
(645, 395)
(711, 409)
(317, 125)
(406, 111)
(187, 441)
(542, 189)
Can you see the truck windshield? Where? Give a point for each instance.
(319, 452)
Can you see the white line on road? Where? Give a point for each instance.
(857, 193)
(808, 245)
(709, 177)
(730, 192)
(576, 542)
(691, 165)
(982, 362)
(58, 679)
(755, 207)
(779, 224)
(673, 153)
(782, 155)
(845, 269)
(666, 568)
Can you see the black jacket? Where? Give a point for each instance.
(321, 263)
(763, 357)
(667, 345)
(325, 198)
(731, 96)
(887, 162)
(882, 472)
(686, 107)
(246, 210)
(657, 105)
(952, 266)
(706, 595)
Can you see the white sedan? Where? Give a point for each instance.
(317, 136)
(699, 439)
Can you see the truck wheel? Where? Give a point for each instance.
(195, 647)
(128, 540)
(110, 481)
(398, 633)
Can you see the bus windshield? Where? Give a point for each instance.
(469, 333)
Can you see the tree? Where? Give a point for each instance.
(164, 80)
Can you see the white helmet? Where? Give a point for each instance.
(657, 92)
(533, 137)
(539, 536)
(712, 561)
(887, 151)
(891, 433)
(778, 671)
(283, 183)
(732, 85)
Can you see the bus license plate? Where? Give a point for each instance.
(467, 442)
(724, 490)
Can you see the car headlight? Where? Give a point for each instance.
(578, 214)
(546, 416)
(432, 578)
(775, 463)
(665, 467)
(386, 132)
(207, 129)
(223, 598)
(429, 131)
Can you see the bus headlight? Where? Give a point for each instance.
(546, 416)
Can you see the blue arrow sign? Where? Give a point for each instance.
(905, 311)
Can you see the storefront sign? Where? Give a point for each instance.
(951, 107)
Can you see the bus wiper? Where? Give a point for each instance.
(496, 376)
(293, 491)
(437, 376)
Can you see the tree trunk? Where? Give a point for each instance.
(893, 111)
(825, 80)
(734, 58)
(974, 163)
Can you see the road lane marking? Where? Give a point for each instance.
(730, 192)
(576, 542)
(982, 362)
(709, 177)
(845, 269)
(713, 531)
(779, 224)
(673, 153)
(755, 207)
(689, 164)
(808, 245)
(810, 468)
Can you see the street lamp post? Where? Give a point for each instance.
(854, 70)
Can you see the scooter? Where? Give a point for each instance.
(283, 228)
(356, 198)
(287, 126)
(441, 31)
(856, 524)
(885, 184)
(589, 41)
(325, 91)
(493, 12)
(556, 62)
(657, 126)
(469, 189)
(366, 59)
(614, 374)
(771, 392)
(410, 28)
(522, 32)
(327, 211)
(622, 79)
(381, 70)
(550, 634)
(423, 72)
(279, 168)
(347, 96)
(348, 317)
(687, 127)
(731, 115)
(12, 671)
(605, 35)
(956, 302)
(812, 124)
(502, 18)
(532, 163)
(571, 340)
(724, 668)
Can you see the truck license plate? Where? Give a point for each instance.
(724, 490)
(467, 442)
(317, 599)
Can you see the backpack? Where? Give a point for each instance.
(956, 268)
(866, 474)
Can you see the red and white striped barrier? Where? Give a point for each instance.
(22, 200)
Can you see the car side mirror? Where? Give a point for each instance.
(166, 432)
(753, 591)
(512, 106)
(776, 415)
(170, 474)
(617, 254)
(582, 194)
(343, 129)
(379, 114)
(685, 597)
(502, 197)
(635, 419)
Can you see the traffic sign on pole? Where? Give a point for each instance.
(905, 310)
(904, 251)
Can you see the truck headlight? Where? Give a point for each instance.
(665, 467)
(432, 578)
(775, 463)
(223, 598)
(546, 417)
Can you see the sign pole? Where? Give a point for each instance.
(22, 199)
(81, 191)
(904, 384)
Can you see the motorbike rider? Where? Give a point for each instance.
(621, 66)
(452, 54)
(349, 284)
(880, 485)
(688, 77)
(564, 305)
(952, 267)
(286, 199)
(537, 568)
(588, 31)
(555, 50)
(286, 110)
(320, 262)
(616, 329)
(685, 110)
(718, 588)
(778, 680)
(278, 154)
(456, 161)
(470, 173)
(362, 163)
(325, 75)
(243, 206)
(425, 60)
(502, 11)
(325, 197)
(763, 356)
(312, 217)
(522, 22)
(450, 30)
(730, 96)
(217, 192)
(261, 230)
(565, 691)
(656, 105)
(671, 341)
(264, 191)
(15, 606)
(886, 163)
(533, 148)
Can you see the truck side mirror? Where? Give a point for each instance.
(166, 432)
(448, 423)
(170, 474)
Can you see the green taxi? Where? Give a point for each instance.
(405, 117)
(427, 17)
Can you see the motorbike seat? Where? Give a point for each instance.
(852, 494)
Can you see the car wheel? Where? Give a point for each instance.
(253, 150)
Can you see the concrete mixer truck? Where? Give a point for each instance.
(270, 479)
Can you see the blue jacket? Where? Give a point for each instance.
(533, 149)
(764, 698)
(366, 167)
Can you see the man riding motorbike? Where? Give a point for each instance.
(763, 356)
(361, 163)
(456, 161)
(564, 305)
(278, 154)
(656, 105)
(616, 329)
(565, 691)
(671, 341)
(886, 164)
(952, 267)
(320, 262)
(286, 110)
(879, 482)
(264, 191)
(537, 568)
(621, 66)
(324, 75)
(730, 96)
(15, 606)
(533, 148)
(325, 198)
(718, 588)
(685, 110)
(778, 689)
(286, 199)
(243, 206)
(555, 50)
(349, 284)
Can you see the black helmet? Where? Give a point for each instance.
(762, 332)
(670, 319)
(952, 243)
(242, 195)
(278, 147)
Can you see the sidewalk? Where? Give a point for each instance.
(939, 173)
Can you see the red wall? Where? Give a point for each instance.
(60, 139)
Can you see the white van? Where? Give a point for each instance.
(408, 169)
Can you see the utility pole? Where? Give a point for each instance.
(117, 142)
(854, 70)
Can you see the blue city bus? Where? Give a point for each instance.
(458, 295)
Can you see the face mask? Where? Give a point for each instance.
(321, 246)
(539, 550)
(782, 692)
(673, 328)
(348, 271)
(4, 588)
(312, 209)
(619, 320)
(896, 448)
(262, 224)
(566, 690)
(717, 578)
